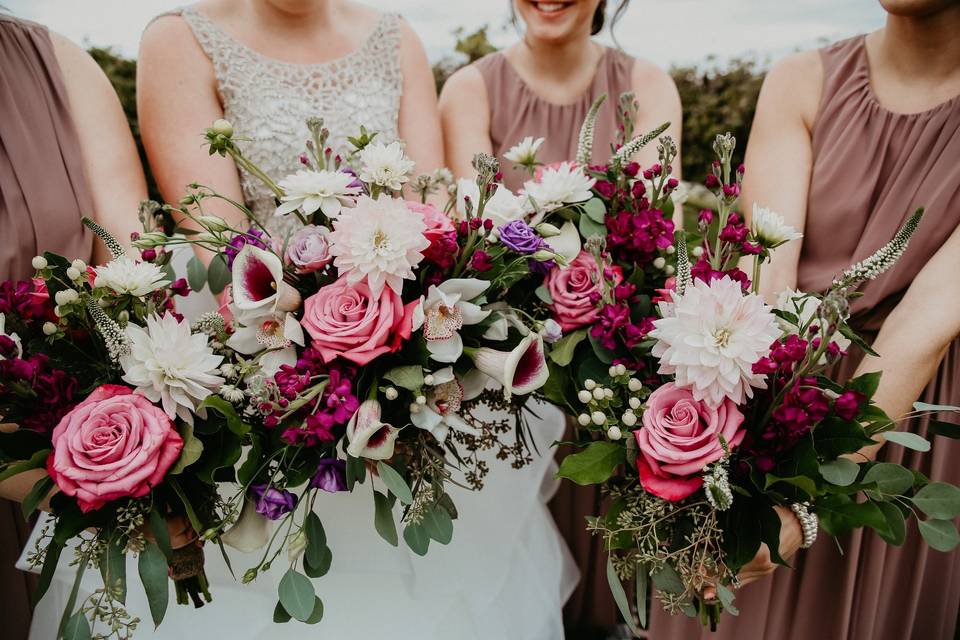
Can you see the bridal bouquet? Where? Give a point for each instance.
(370, 340)
(106, 387)
(699, 407)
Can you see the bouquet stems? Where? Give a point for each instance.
(189, 577)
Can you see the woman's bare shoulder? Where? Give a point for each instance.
(794, 84)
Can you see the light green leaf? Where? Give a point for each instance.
(841, 472)
(395, 482)
(726, 599)
(562, 350)
(438, 524)
(595, 209)
(77, 627)
(891, 479)
(620, 597)
(593, 465)
(923, 406)
(196, 274)
(909, 440)
(409, 377)
(668, 580)
(297, 595)
(544, 294)
(589, 228)
(938, 500)
(805, 484)
(316, 539)
(643, 588)
(417, 538)
(153, 574)
(383, 520)
(939, 534)
(218, 275)
(192, 449)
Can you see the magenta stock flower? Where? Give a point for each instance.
(480, 261)
(635, 237)
(847, 404)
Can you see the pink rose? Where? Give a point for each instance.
(345, 320)
(680, 436)
(309, 249)
(437, 223)
(573, 290)
(115, 444)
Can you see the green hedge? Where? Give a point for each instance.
(715, 99)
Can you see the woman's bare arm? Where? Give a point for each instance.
(110, 159)
(419, 118)
(176, 101)
(779, 157)
(659, 103)
(465, 113)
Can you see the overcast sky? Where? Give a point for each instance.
(666, 31)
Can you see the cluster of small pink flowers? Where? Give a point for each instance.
(52, 391)
(702, 270)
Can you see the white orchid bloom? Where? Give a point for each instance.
(250, 532)
(444, 311)
(13, 337)
(274, 332)
(502, 207)
(441, 412)
(520, 371)
(369, 437)
(258, 284)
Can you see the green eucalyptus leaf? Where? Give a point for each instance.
(196, 274)
(841, 472)
(595, 210)
(297, 595)
(36, 495)
(840, 515)
(152, 567)
(726, 599)
(590, 228)
(317, 614)
(383, 520)
(322, 566)
(316, 539)
(543, 294)
(409, 377)
(37, 461)
(938, 500)
(77, 627)
(897, 529)
(595, 464)
(191, 451)
(620, 596)
(891, 479)
(218, 274)
(604, 355)
(562, 350)
(834, 437)
(939, 534)
(643, 589)
(417, 538)
(668, 580)
(395, 482)
(356, 471)
(113, 569)
(908, 440)
(803, 483)
(158, 526)
(280, 615)
(438, 524)
(925, 406)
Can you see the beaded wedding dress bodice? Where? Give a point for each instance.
(268, 101)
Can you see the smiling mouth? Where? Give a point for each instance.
(551, 8)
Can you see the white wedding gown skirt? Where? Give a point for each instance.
(505, 575)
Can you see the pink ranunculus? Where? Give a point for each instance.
(345, 320)
(115, 444)
(680, 436)
(309, 249)
(573, 290)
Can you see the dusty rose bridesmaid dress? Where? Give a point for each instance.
(43, 194)
(515, 112)
(872, 168)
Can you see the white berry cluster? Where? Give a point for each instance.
(614, 406)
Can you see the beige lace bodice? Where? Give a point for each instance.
(268, 101)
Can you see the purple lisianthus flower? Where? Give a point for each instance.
(309, 249)
(272, 503)
(254, 237)
(518, 236)
(331, 475)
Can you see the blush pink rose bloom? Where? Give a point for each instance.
(309, 249)
(115, 444)
(346, 321)
(437, 223)
(571, 290)
(680, 436)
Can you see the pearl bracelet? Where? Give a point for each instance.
(809, 523)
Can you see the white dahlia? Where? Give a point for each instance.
(769, 228)
(385, 165)
(380, 240)
(710, 337)
(308, 191)
(126, 275)
(169, 365)
(557, 186)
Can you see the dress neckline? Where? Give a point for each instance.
(586, 96)
(863, 63)
(357, 51)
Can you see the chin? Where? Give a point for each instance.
(917, 8)
(556, 20)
